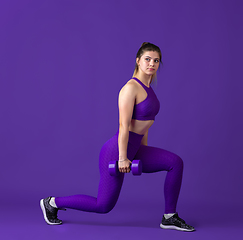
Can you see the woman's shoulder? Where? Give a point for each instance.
(131, 85)
(130, 88)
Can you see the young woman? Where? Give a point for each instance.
(138, 106)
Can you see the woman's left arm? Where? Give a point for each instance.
(145, 139)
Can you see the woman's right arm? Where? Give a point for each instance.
(126, 102)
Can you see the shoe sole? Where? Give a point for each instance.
(175, 228)
(44, 213)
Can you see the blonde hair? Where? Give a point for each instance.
(146, 46)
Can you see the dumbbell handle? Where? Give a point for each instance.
(136, 168)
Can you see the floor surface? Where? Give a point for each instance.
(123, 222)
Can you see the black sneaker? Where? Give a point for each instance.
(175, 222)
(49, 212)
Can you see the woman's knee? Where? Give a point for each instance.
(105, 208)
(178, 162)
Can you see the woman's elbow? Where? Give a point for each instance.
(124, 126)
(144, 143)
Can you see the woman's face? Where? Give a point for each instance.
(149, 62)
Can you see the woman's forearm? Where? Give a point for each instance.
(123, 141)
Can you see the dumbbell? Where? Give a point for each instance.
(136, 168)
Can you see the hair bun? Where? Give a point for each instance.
(144, 43)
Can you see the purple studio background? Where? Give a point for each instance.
(62, 64)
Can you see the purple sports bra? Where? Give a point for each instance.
(147, 109)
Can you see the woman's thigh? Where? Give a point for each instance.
(156, 159)
(110, 186)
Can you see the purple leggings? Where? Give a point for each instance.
(153, 160)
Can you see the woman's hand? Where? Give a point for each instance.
(124, 165)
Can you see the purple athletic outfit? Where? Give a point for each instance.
(153, 160)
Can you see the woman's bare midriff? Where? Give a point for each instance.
(140, 127)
